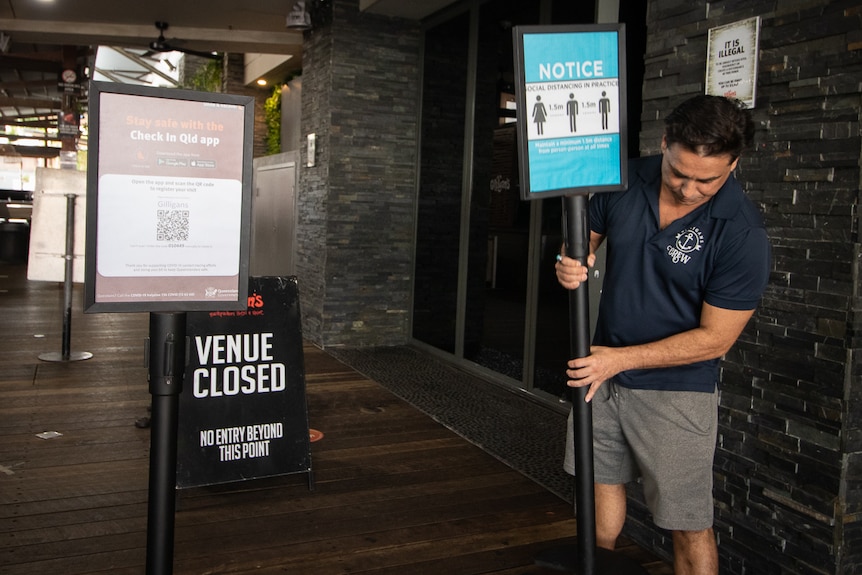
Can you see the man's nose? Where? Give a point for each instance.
(688, 188)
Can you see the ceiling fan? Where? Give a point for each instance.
(162, 45)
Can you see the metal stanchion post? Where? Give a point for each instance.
(585, 558)
(66, 354)
(166, 357)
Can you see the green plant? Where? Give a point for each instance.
(207, 78)
(272, 114)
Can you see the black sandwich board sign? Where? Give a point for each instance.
(242, 412)
(571, 100)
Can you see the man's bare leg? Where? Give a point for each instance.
(610, 514)
(695, 553)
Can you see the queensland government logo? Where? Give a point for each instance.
(687, 242)
(213, 292)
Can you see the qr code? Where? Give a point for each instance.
(172, 225)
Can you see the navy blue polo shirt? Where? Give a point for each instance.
(657, 280)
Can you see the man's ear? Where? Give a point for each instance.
(734, 163)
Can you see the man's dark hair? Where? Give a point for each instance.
(710, 126)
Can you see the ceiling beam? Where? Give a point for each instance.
(43, 137)
(28, 122)
(36, 151)
(49, 56)
(30, 103)
(16, 63)
(101, 34)
(26, 84)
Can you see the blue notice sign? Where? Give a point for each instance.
(571, 109)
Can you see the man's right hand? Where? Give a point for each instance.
(570, 272)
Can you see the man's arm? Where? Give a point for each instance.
(718, 330)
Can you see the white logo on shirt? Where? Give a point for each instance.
(687, 241)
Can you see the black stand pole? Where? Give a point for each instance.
(585, 558)
(65, 353)
(166, 356)
(578, 247)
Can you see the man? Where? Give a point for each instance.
(687, 262)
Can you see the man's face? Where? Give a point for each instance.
(691, 179)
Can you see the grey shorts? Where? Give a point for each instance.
(667, 438)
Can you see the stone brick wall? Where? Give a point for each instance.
(234, 83)
(788, 471)
(356, 206)
(311, 201)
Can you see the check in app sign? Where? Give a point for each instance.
(169, 199)
(571, 109)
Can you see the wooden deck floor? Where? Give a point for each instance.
(395, 492)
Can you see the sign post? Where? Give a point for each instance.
(66, 353)
(168, 220)
(570, 93)
(165, 360)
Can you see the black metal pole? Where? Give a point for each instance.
(578, 247)
(166, 357)
(69, 257)
(585, 558)
(67, 284)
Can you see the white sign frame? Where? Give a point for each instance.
(732, 58)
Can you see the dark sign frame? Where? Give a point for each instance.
(169, 189)
(580, 70)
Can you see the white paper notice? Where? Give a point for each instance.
(164, 226)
